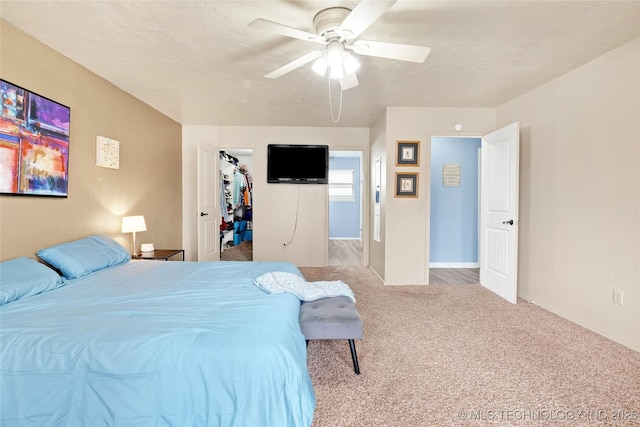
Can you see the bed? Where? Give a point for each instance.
(149, 343)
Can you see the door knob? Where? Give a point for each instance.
(203, 214)
(510, 222)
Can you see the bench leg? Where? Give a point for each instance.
(354, 356)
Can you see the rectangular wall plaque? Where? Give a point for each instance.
(451, 174)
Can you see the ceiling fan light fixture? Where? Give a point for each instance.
(350, 64)
(336, 73)
(320, 66)
(335, 52)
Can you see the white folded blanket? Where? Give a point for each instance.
(279, 281)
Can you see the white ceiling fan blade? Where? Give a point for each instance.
(285, 30)
(294, 64)
(348, 81)
(401, 52)
(362, 16)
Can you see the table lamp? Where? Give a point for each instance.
(132, 224)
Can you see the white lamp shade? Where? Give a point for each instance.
(335, 51)
(336, 73)
(350, 63)
(131, 224)
(320, 66)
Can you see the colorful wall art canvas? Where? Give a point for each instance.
(34, 143)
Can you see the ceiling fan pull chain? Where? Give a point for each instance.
(331, 103)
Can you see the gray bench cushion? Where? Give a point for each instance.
(330, 318)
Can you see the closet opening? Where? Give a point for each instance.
(236, 203)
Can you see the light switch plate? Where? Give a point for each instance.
(618, 296)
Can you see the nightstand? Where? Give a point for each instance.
(159, 254)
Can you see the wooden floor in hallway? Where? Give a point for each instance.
(454, 276)
(345, 252)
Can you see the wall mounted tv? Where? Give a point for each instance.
(297, 164)
(34, 143)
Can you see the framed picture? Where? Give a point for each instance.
(34, 143)
(408, 153)
(407, 184)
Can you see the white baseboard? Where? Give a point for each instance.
(376, 273)
(454, 265)
(594, 328)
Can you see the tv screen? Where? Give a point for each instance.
(297, 164)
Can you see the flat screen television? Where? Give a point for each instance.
(297, 164)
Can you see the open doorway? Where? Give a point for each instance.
(345, 208)
(236, 195)
(454, 235)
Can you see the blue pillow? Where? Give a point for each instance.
(81, 257)
(22, 277)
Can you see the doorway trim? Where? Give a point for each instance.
(239, 152)
(477, 203)
(365, 180)
(429, 137)
(505, 132)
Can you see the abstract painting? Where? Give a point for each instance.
(34, 143)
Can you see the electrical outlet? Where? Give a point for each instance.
(617, 296)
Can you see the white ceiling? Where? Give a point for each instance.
(199, 63)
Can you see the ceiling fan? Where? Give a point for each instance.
(337, 28)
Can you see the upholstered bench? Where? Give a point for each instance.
(333, 318)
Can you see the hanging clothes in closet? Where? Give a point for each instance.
(239, 184)
(243, 228)
(224, 212)
(228, 166)
(246, 192)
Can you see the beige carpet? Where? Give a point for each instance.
(444, 355)
(240, 252)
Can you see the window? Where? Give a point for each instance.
(341, 185)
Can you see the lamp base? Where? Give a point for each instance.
(134, 244)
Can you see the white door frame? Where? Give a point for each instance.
(362, 154)
(487, 280)
(457, 136)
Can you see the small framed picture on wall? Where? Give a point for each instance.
(408, 153)
(406, 184)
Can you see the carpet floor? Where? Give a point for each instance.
(442, 355)
(241, 252)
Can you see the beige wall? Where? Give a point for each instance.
(274, 205)
(378, 137)
(147, 183)
(406, 235)
(580, 193)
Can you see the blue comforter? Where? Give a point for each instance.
(151, 343)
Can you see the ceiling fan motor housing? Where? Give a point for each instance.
(328, 20)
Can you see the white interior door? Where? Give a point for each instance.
(208, 204)
(499, 211)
